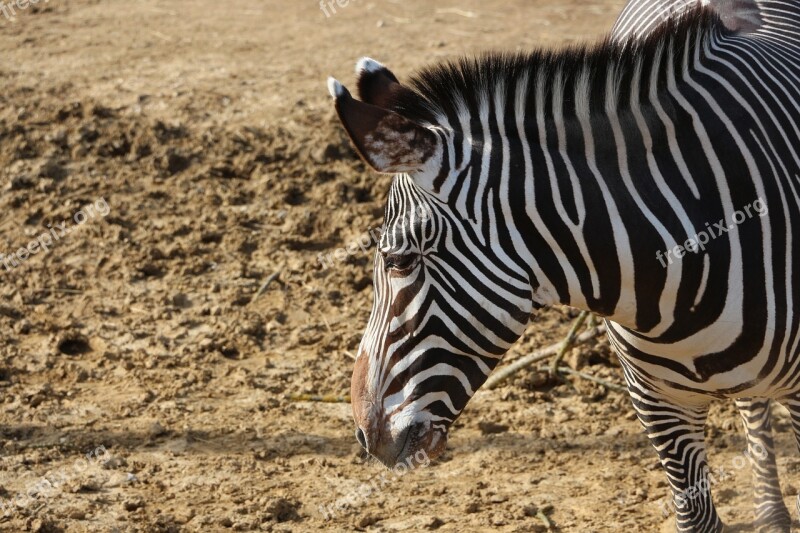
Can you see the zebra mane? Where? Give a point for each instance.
(577, 74)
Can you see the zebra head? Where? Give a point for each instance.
(450, 294)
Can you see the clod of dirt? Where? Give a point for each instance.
(156, 430)
(52, 168)
(294, 196)
(181, 301)
(133, 504)
(369, 520)
(74, 345)
(229, 352)
(19, 183)
(176, 162)
(10, 312)
(76, 514)
(434, 523)
(530, 510)
(40, 525)
(327, 153)
(282, 510)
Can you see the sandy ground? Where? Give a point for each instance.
(148, 370)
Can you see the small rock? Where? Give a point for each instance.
(133, 504)
(368, 520)
(498, 498)
(156, 430)
(325, 154)
(282, 510)
(530, 510)
(181, 301)
(40, 525)
(492, 428)
(434, 523)
(77, 514)
(176, 162)
(19, 183)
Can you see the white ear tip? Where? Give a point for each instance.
(367, 64)
(335, 88)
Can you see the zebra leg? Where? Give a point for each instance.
(676, 432)
(771, 513)
(793, 405)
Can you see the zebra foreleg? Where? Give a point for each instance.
(676, 432)
(772, 516)
(793, 405)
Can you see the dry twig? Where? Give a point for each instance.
(504, 373)
(267, 283)
(322, 399)
(568, 343)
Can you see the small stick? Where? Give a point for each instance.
(266, 284)
(543, 517)
(66, 291)
(504, 373)
(321, 399)
(455, 11)
(568, 343)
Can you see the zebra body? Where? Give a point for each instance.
(653, 179)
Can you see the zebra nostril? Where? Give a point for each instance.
(362, 439)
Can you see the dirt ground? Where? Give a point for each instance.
(152, 357)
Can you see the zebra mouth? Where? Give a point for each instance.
(420, 446)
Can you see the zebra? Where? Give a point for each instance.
(562, 177)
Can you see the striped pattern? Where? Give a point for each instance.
(570, 177)
(641, 17)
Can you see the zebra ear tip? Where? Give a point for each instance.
(336, 89)
(368, 65)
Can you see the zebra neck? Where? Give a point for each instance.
(602, 189)
(557, 161)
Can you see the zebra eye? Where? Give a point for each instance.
(400, 263)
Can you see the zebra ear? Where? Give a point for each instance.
(377, 85)
(741, 16)
(388, 142)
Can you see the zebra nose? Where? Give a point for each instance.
(362, 439)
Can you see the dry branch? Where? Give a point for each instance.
(539, 355)
(568, 343)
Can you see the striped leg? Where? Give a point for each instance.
(793, 405)
(771, 513)
(676, 432)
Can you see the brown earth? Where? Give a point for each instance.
(150, 339)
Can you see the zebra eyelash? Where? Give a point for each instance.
(401, 263)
